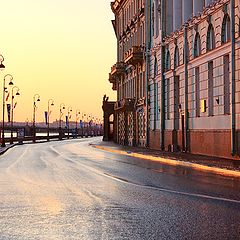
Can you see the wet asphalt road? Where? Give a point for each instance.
(70, 190)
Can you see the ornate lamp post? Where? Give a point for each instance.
(1, 62)
(10, 78)
(36, 98)
(83, 119)
(68, 118)
(62, 107)
(77, 117)
(50, 103)
(12, 108)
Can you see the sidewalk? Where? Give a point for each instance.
(4, 149)
(215, 165)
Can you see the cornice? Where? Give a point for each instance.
(116, 5)
(195, 20)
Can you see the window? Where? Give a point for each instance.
(176, 57)
(168, 61)
(155, 67)
(210, 38)
(153, 19)
(226, 85)
(226, 33)
(239, 27)
(197, 91)
(186, 51)
(155, 104)
(210, 88)
(197, 45)
(176, 102)
(167, 99)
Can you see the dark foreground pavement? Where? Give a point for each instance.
(71, 190)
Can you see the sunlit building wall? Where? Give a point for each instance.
(191, 105)
(128, 73)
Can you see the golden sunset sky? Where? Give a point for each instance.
(60, 49)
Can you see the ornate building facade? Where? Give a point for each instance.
(128, 73)
(194, 69)
(180, 90)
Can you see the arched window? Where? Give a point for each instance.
(155, 67)
(239, 27)
(210, 38)
(197, 45)
(186, 51)
(226, 32)
(168, 60)
(153, 19)
(176, 57)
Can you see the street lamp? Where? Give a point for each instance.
(48, 115)
(77, 117)
(83, 128)
(12, 108)
(68, 118)
(36, 98)
(1, 62)
(10, 78)
(62, 107)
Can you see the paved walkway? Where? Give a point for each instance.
(4, 149)
(222, 166)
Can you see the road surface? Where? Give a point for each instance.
(70, 190)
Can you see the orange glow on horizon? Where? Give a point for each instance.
(61, 50)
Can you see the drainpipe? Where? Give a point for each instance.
(147, 62)
(163, 25)
(233, 129)
(186, 147)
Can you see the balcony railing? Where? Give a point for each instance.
(112, 79)
(118, 68)
(134, 55)
(125, 104)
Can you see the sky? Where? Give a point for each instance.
(60, 49)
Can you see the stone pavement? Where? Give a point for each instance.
(4, 149)
(216, 165)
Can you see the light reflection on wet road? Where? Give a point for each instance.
(70, 190)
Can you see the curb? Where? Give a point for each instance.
(171, 162)
(7, 148)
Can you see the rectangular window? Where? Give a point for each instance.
(210, 88)
(143, 83)
(155, 104)
(226, 85)
(176, 102)
(167, 98)
(197, 91)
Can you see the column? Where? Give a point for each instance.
(177, 14)
(187, 9)
(198, 6)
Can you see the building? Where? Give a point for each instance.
(128, 73)
(191, 62)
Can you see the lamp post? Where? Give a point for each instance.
(1, 62)
(10, 78)
(12, 108)
(48, 116)
(36, 98)
(62, 107)
(83, 118)
(77, 117)
(68, 118)
(2, 67)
